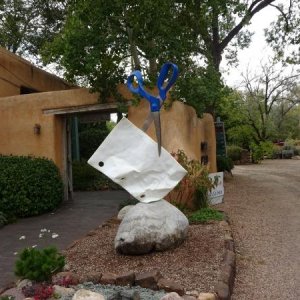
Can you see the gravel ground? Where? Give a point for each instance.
(109, 291)
(195, 264)
(263, 203)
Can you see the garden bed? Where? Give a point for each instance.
(195, 264)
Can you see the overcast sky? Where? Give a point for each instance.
(258, 50)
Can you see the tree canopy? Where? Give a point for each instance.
(284, 34)
(266, 109)
(26, 25)
(97, 43)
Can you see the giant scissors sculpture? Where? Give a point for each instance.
(155, 101)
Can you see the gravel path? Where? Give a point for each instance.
(263, 203)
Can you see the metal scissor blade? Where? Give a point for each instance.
(156, 118)
(147, 122)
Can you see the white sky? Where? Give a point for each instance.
(257, 52)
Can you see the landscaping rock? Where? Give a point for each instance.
(229, 258)
(151, 226)
(193, 293)
(125, 295)
(66, 268)
(124, 211)
(23, 283)
(63, 291)
(125, 279)
(207, 296)
(188, 297)
(171, 296)
(108, 278)
(69, 277)
(87, 295)
(94, 277)
(148, 280)
(170, 286)
(129, 295)
(222, 290)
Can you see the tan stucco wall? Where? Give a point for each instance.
(16, 72)
(19, 114)
(181, 130)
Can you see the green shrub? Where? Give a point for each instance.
(224, 164)
(39, 265)
(196, 182)
(87, 178)
(234, 152)
(205, 214)
(90, 138)
(8, 297)
(261, 150)
(29, 186)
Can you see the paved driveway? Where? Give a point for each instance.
(70, 222)
(263, 202)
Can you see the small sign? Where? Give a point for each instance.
(216, 195)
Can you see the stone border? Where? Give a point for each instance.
(224, 287)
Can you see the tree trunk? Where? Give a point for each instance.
(136, 64)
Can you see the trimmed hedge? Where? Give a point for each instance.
(224, 164)
(90, 139)
(29, 186)
(87, 178)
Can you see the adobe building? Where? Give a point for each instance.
(36, 109)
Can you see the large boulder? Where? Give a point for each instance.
(154, 226)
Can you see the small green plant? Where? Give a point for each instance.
(129, 201)
(39, 265)
(8, 297)
(224, 164)
(204, 215)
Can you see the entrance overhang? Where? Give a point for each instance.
(73, 110)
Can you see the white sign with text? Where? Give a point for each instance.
(216, 195)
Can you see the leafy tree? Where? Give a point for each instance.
(26, 25)
(97, 42)
(271, 90)
(284, 35)
(263, 110)
(101, 40)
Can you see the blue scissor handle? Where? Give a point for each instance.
(162, 77)
(154, 101)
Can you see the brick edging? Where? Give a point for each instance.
(224, 287)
